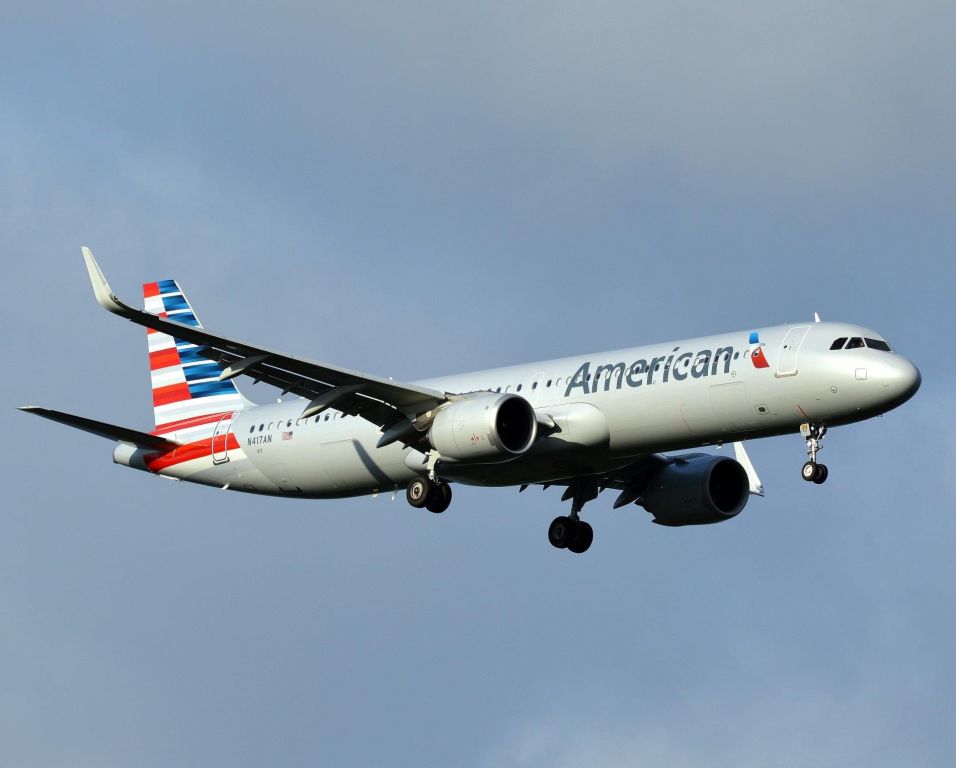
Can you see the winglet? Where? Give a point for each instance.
(756, 487)
(101, 289)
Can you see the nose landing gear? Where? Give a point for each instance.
(812, 471)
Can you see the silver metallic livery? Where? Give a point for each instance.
(586, 424)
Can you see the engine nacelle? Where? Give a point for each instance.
(696, 491)
(485, 427)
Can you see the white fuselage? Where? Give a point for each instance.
(609, 408)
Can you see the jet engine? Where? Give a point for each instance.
(484, 427)
(697, 490)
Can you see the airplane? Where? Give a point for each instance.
(589, 423)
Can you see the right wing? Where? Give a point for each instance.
(389, 404)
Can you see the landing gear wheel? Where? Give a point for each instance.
(814, 434)
(582, 538)
(419, 492)
(440, 497)
(561, 532)
(567, 533)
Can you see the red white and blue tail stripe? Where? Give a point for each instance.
(187, 393)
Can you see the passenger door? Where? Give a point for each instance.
(220, 440)
(790, 349)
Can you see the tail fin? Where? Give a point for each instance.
(187, 392)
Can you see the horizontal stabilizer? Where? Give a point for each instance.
(110, 431)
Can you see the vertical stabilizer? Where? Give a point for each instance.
(187, 392)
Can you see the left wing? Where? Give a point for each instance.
(101, 428)
(389, 404)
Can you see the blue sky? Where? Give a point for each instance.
(422, 189)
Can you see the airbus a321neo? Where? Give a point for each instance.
(587, 424)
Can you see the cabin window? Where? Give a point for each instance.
(518, 388)
(878, 344)
(855, 343)
(534, 386)
(288, 423)
(549, 382)
(261, 427)
(252, 429)
(838, 344)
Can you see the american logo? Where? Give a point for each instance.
(757, 357)
(677, 365)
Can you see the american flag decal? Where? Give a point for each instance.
(286, 435)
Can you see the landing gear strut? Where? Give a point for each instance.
(571, 532)
(425, 493)
(811, 471)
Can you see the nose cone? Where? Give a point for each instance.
(902, 379)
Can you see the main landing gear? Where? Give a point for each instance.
(571, 532)
(811, 471)
(425, 493)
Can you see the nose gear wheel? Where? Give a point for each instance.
(811, 471)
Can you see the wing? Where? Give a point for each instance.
(631, 480)
(389, 404)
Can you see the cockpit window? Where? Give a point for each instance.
(878, 344)
(855, 343)
(838, 344)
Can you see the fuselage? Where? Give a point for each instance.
(608, 408)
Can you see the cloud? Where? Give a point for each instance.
(793, 725)
(418, 188)
(805, 98)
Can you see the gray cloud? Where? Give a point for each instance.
(487, 185)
